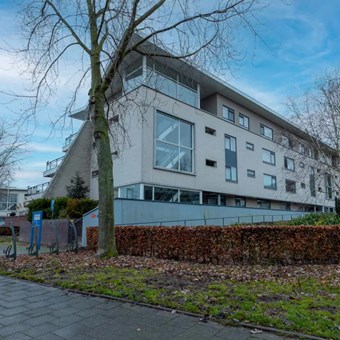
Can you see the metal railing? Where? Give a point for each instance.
(225, 221)
(54, 163)
(70, 139)
(37, 189)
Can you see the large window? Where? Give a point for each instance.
(266, 131)
(328, 186)
(289, 164)
(130, 191)
(230, 159)
(312, 181)
(171, 195)
(269, 182)
(8, 201)
(228, 114)
(174, 143)
(268, 156)
(243, 121)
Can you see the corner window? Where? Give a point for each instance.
(228, 114)
(243, 121)
(268, 157)
(266, 131)
(269, 182)
(174, 143)
(289, 164)
(290, 186)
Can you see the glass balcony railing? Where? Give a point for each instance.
(69, 140)
(50, 165)
(37, 189)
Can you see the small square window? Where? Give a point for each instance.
(209, 162)
(250, 146)
(303, 186)
(228, 114)
(250, 173)
(290, 186)
(210, 131)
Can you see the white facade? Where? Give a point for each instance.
(11, 202)
(193, 139)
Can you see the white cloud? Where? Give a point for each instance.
(36, 147)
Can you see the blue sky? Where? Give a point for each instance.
(299, 40)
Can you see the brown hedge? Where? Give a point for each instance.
(229, 245)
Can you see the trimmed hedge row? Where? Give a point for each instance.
(229, 245)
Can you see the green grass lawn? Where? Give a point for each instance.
(303, 299)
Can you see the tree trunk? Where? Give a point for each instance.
(107, 242)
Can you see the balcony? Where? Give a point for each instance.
(37, 189)
(68, 141)
(52, 166)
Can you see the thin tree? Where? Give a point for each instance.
(10, 150)
(103, 34)
(317, 113)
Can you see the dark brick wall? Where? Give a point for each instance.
(48, 235)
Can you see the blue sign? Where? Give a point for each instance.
(36, 228)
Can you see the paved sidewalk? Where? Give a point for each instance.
(33, 311)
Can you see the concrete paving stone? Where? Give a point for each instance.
(17, 336)
(200, 331)
(11, 329)
(12, 311)
(40, 330)
(13, 319)
(49, 336)
(16, 303)
(95, 321)
(38, 320)
(65, 320)
(72, 330)
(88, 312)
(38, 312)
(109, 304)
(183, 322)
(69, 310)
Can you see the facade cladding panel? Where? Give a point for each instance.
(185, 123)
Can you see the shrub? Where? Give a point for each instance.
(316, 219)
(76, 208)
(64, 207)
(229, 245)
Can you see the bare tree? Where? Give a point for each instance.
(10, 149)
(102, 33)
(317, 113)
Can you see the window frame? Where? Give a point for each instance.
(290, 186)
(286, 163)
(251, 148)
(271, 187)
(177, 145)
(272, 155)
(229, 111)
(244, 118)
(263, 129)
(251, 173)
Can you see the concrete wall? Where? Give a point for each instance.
(162, 213)
(77, 159)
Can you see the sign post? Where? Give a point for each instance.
(37, 217)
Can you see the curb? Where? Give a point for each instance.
(202, 318)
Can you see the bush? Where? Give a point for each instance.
(76, 208)
(229, 245)
(316, 219)
(64, 207)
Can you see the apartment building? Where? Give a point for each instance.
(190, 138)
